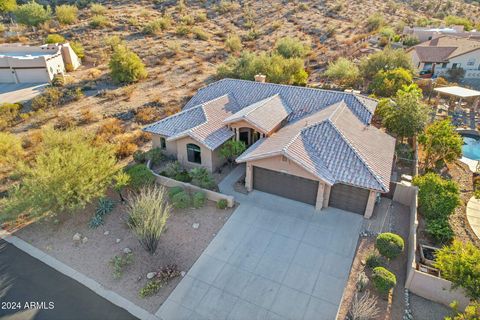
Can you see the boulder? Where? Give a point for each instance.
(151, 275)
(77, 237)
(84, 240)
(195, 225)
(127, 250)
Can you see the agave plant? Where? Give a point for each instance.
(95, 222)
(104, 207)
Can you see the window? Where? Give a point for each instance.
(193, 153)
(163, 143)
(455, 65)
(471, 62)
(444, 65)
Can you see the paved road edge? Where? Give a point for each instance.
(93, 285)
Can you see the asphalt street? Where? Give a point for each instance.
(31, 290)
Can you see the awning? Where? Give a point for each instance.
(459, 92)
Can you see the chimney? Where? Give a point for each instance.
(260, 77)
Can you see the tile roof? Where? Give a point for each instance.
(265, 114)
(445, 47)
(335, 146)
(301, 100)
(327, 132)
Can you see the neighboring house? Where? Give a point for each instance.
(28, 64)
(441, 54)
(310, 145)
(428, 33)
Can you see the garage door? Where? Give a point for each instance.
(349, 198)
(285, 185)
(6, 76)
(32, 75)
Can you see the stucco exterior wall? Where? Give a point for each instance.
(210, 159)
(171, 146)
(288, 166)
(423, 284)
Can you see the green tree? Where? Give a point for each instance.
(459, 263)
(68, 171)
(388, 59)
(459, 21)
(66, 14)
(7, 5)
(472, 311)
(343, 72)
(126, 66)
(11, 150)
(277, 68)
(405, 115)
(437, 197)
(32, 14)
(121, 181)
(292, 48)
(232, 149)
(440, 143)
(149, 211)
(387, 83)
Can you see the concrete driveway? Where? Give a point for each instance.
(274, 259)
(12, 93)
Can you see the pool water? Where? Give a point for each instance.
(471, 148)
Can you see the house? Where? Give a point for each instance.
(30, 64)
(428, 33)
(310, 145)
(439, 55)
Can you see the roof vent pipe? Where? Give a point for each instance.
(260, 77)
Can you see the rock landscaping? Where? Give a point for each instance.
(112, 255)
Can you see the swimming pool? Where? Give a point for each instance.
(471, 147)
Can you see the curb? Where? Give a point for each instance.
(88, 282)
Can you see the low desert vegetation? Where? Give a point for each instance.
(126, 66)
(32, 14)
(389, 245)
(66, 14)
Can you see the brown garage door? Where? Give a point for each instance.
(348, 198)
(285, 185)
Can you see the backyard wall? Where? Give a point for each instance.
(211, 195)
(420, 283)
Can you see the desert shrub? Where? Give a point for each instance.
(119, 263)
(97, 8)
(233, 43)
(172, 169)
(125, 148)
(459, 263)
(439, 230)
(181, 200)
(150, 289)
(147, 115)
(437, 197)
(455, 20)
(226, 6)
(231, 149)
(9, 113)
(77, 47)
(187, 19)
(201, 17)
(200, 34)
(174, 190)
(64, 122)
(222, 204)
(182, 31)
(50, 98)
(455, 75)
(58, 80)
(126, 66)
(253, 34)
(66, 14)
(155, 155)
(410, 41)
(390, 245)
(109, 129)
(374, 22)
(140, 176)
(104, 206)
(362, 282)
(383, 280)
(199, 199)
(139, 156)
(55, 38)
(374, 260)
(99, 21)
(157, 25)
(11, 150)
(183, 176)
(292, 48)
(7, 5)
(148, 212)
(343, 71)
(277, 68)
(364, 307)
(32, 14)
(202, 178)
(472, 311)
